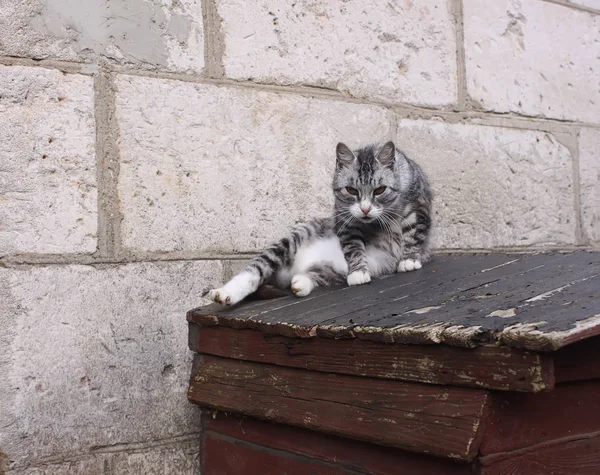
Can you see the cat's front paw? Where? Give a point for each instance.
(222, 296)
(359, 277)
(302, 285)
(407, 265)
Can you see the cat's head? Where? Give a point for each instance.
(365, 183)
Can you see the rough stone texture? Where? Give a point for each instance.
(47, 162)
(229, 169)
(494, 186)
(589, 172)
(97, 356)
(164, 34)
(170, 459)
(393, 52)
(509, 67)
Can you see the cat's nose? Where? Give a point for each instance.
(365, 209)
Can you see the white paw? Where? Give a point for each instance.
(409, 264)
(236, 290)
(359, 277)
(221, 296)
(302, 285)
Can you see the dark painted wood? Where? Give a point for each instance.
(442, 421)
(578, 362)
(347, 454)
(224, 457)
(483, 367)
(580, 456)
(457, 300)
(518, 420)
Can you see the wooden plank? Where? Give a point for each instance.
(329, 308)
(580, 456)
(442, 421)
(484, 367)
(579, 361)
(223, 457)
(538, 302)
(518, 420)
(452, 267)
(347, 454)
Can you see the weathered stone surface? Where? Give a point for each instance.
(177, 458)
(162, 34)
(218, 169)
(509, 67)
(589, 172)
(392, 52)
(97, 356)
(47, 162)
(494, 186)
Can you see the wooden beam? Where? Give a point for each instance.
(346, 454)
(227, 457)
(519, 420)
(442, 421)
(499, 368)
(578, 456)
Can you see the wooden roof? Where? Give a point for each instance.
(539, 302)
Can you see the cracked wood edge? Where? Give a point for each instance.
(522, 335)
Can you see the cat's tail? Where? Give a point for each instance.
(277, 256)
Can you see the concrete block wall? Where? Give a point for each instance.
(149, 147)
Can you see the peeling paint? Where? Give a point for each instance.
(545, 295)
(507, 313)
(420, 311)
(500, 265)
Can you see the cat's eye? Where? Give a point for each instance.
(352, 191)
(378, 191)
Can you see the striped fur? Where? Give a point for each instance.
(371, 233)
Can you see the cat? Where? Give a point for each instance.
(380, 225)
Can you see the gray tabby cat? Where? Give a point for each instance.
(380, 226)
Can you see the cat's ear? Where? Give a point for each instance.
(387, 155)
(344, 156)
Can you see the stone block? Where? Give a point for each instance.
(97, 356)
(511, 66)
(156, 34)
(589, 172)
(48, 196)
(494, 187)
(223, 169)
(393, 51)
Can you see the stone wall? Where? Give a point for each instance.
(149, 147)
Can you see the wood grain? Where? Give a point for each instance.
(442, 421)
(358, 457)
(484, 367)
(576, 457)
(519, 420)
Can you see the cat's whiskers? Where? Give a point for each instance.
(395, 215)
(345, 223)
(386, 223)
